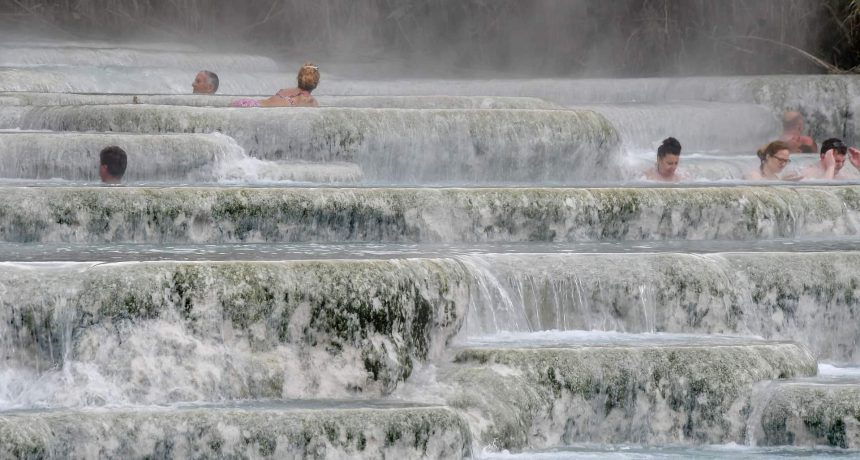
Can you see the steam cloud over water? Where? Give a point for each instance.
(440, 37)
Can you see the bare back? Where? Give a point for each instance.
(291, 97)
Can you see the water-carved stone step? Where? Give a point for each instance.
(393, 145)
(206, 100)
(155, 158)
(776, 295)
(221, 215)
(161, 333)
(301, 429)
(694, 393)
(810, 414)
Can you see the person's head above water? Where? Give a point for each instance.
(668, 157)
(792, 133)
(206, 82)
(670, 145)
(308, 77)
(839, 151)
(774, 158)
(307, 80)
(112, 164)
(792, 122)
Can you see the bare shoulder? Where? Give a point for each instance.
(753, 175)
(650, 174)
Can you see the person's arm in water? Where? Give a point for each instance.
(792, 176)
(829, 165)
(854, 157)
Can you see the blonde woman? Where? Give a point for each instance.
(307, 79)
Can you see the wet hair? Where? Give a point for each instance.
(834, 143)
(115, 159)
(670, 146)
(309, 77)
(213, 79)
(770, 150)
(790, 119)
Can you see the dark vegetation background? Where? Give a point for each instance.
(465, 37)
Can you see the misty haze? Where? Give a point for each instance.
(490, 229)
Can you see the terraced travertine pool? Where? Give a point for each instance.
(420, 268)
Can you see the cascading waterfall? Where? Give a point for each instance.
(390, 145)
(329, 282)
(205, 158)
(447, 215)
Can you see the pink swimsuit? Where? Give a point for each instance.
(245, 102)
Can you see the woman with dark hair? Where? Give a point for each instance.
(774, 158)
(668, 157)
(307, 79)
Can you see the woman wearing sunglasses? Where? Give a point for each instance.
(774, 158)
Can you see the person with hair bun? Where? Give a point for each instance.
(307, 79)
(774, 158)
(668, 158)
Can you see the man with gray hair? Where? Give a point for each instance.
(206, 82)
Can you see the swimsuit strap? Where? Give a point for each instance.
(290, 99)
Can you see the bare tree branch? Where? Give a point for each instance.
(814, 59)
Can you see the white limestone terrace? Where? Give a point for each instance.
(168, 358)
(720, 293)
(202, 332)
(810, 412)
(222, 331)
(827, 101)
(486, 302)
(310, 250)
(207, 100)
(402, 146)
(154, 158)
(467, 215)
(640, 127)
(701, 126)
(271, 430)
(616, 393)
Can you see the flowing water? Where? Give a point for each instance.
(418, 268)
